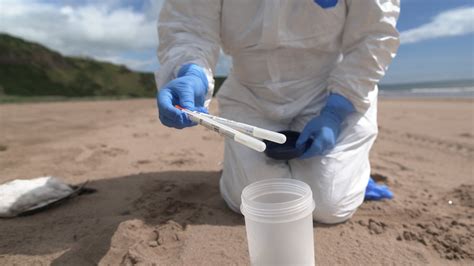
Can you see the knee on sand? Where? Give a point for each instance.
(332, 214)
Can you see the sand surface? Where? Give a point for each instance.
(158, 199)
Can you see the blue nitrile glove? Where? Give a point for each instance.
(188, 90)
(325, 128)
(377, 192)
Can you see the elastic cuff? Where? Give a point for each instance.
(210, 80)
(339, 106)
(361, 104)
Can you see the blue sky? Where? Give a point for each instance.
(441, 58)
(437, 35)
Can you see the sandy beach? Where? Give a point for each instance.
(158, 200)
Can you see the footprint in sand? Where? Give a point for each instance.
(167, 200)
(182, 162)
(374, 227)
(182, 158)
(97, 152)
(379, 178)
(114, 152)
(175, 206)
(462, 195)
(431, 142)
(141, 162)
(3, 147)
(170, 232)
(394, 164)
(450, 233)
(140, 135)
(451, 239)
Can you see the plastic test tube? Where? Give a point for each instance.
(251, 130)
(224, 130)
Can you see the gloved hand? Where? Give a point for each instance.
(377, 192)
(325, 128)
(188, 90)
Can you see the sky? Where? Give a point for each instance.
(437, 36)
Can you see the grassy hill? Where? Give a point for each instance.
(30, 69)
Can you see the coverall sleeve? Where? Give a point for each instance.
(189, 32)
(369, 43)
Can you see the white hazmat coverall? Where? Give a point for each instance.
(288, 55)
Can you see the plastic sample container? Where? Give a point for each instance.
(279, 222)
(288, 150)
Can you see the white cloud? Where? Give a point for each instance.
(117, 31)
(455, 22)
(97, 29)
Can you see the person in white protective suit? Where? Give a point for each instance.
(310, 66)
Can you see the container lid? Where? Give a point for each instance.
(277, 200)
(287, 150)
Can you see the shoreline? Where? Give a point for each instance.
(424, 98)
(53, 99)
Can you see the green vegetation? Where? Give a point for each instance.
(30, 72)
(29, 69)
(37, 99)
